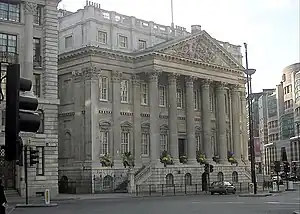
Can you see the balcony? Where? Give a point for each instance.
(37, 61)
(9, 57)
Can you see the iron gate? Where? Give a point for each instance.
(7, 171)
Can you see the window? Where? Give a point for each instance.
(169, 180)
(124, 91)
(37, 60)
(40, 166)
(103, 142)
(196, 99)
(3, 117)
(123, 41)
(142, 44)
(68, 41)
(41, 128)
(124, 142)
(211, 102)
(198, 143)
(8, 48)
(102, 37)
(164, 142)
(188, 179)
(37, 19)
(37, 85)
(144, 94)
(179, 98)
(162, 96)
(235, 177)
(9, 11)
(103, 87)
(145, 144)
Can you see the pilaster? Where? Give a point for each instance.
(173, 142)
(29, 10)
(221, 121)
(206, 120)
(236, 122)
(190, 118)
(116, 78)
(137, 119)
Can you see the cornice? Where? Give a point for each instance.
(134, 57)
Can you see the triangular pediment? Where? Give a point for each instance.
(200, 47)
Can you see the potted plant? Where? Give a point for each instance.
(200, 158)
(216, 159)
(231, 158)
(166, 158)
(183, 159)
(128, 160)
(106, 161)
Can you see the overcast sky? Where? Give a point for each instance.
(270, 27)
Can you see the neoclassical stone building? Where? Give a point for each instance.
(182, 96)
(29, 37)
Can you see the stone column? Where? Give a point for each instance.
(173, 141)
(116, 77)
(221, 121)
(236, 122)
(29, 10)
(206, 120)
(244, 130)
(136, 119)
(190, 120)
(154, 118)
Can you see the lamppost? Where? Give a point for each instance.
(249, 73)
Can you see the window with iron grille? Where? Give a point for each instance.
(37, 59)
(37, 18)
(8, 48)
(40, 166)
(37, 85)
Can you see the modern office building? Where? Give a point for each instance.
(130, 85)
(29, 36)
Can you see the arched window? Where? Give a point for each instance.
(108, 182)
(41, 114)
(169, 180)
(66, 148)
(220, 177)
(235, 177)
(188, 179)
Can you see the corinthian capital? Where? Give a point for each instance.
(221, 85)
(135, 79)
(173, 78)
(206, 82)
(234, 87)
(154, 76)
(30, 8)
(116, 76)
(189, 81)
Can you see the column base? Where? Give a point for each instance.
(192, 162)
(176, 162)
(210, 161)
(224, 161)
(118, 164)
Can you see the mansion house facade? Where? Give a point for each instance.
(183, 95)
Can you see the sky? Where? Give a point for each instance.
(269, 27)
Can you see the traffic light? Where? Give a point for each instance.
(286, 167)
(33, 156)
(277, 167)
(206, 168)
(211, 168)
(20, 111)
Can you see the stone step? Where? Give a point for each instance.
(11, 193)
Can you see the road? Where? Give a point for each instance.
(283, 203)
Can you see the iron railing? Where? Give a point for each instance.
(8, 57)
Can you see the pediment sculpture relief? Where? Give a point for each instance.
(194, 49)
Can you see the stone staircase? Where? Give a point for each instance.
(248, 173)
(142, 175)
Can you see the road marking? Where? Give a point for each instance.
(281, 203)
(214, 202)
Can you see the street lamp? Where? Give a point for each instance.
(249, 73)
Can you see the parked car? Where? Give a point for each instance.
(223, 187)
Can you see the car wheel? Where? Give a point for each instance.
(226, 192)
(234, 191)
(212, 193)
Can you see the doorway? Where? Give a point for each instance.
(181, 147)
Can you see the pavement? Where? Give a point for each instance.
(280, 203)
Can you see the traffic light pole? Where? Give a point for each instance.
(26, 173)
